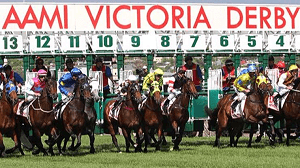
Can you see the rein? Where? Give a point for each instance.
(40, 108)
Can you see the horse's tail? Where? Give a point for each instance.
(213, 115)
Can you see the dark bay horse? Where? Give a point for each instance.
(42, 117)
(129, 118)
(8, 121)
(179, 113)
(290, 109)
(79, 117)
(255, 112)
(152, 115)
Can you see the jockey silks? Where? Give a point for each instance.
(38, 85)
(106, 74)
(226, 74)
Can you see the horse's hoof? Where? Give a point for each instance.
(176, 148)
(35, 152)
(157, 148)
(135, 145)
(152, 144)
(257, 140)
(92, 150)
(145, 150)
(249, 146)
(164, 143)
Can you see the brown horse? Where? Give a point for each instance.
(290, 109)
(41, 116)
(179, 113)
(8, 121)
(129, 118)
(152, 116)
(81, 120)
(255, 112)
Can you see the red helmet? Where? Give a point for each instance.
(281, 64)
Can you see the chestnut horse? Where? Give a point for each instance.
(290, 109)
(8, 121)
(129, 118)
(80, 121)
(179, 113)
(42, 117)
(152, 115)
(255, 112)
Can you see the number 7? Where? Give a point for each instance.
(195, 40)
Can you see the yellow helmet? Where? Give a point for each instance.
(293, 67)
(158, 72)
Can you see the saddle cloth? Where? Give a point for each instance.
(239, 110)
(274, 106)
(117, 110)
(25, 112)
(58, 113)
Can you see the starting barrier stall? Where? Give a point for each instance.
(85, 37)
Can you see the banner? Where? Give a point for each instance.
(126, 17)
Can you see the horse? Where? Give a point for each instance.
(290, 109)
(255, 112)
(83, 120)
(152, 116)
(42, 117)
(179, 113)
(129, 118)
(8, 121)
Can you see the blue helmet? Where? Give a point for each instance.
(1, 66)
(261, 69)
(252, 68)
(75, 72)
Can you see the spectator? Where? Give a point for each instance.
(69, 65)
(197, 74)
(271, 63)
(39, 64)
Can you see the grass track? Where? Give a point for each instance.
(195, 152)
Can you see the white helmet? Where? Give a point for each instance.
(132, 78)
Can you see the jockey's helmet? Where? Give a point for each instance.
(75, 72)
(42, 72)
(281, 64)
(132, 78)
(261, 69)
(293, 67)
(251, 68)
(158, 72)
(145, 67)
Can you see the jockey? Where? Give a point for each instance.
(122, 91)
(176, 90)
(228, 74)
(155, 76)
(285, 82)
(281, 67)
(67, 84)
(241, 85)
(34, 88)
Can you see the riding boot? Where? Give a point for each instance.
(276, 98)
(57, 107)
(24, 104)
(166, 106)
(234, 104)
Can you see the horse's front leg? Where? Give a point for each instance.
(159, 134)
(288, 132)
(92, 140)
(126, 133)
(39, 144)
(16, 139)
(139, 139)
(113, 136)
(2, 147)
(251, 135)
(175, 129)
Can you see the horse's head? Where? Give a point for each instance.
(189, 87)
(51, 87)
(264, 85)
(85, 87)
(135, 92)
(155, 92)
(11, 92)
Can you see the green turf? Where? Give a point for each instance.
(194, 152)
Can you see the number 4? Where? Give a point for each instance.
(280, 41)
